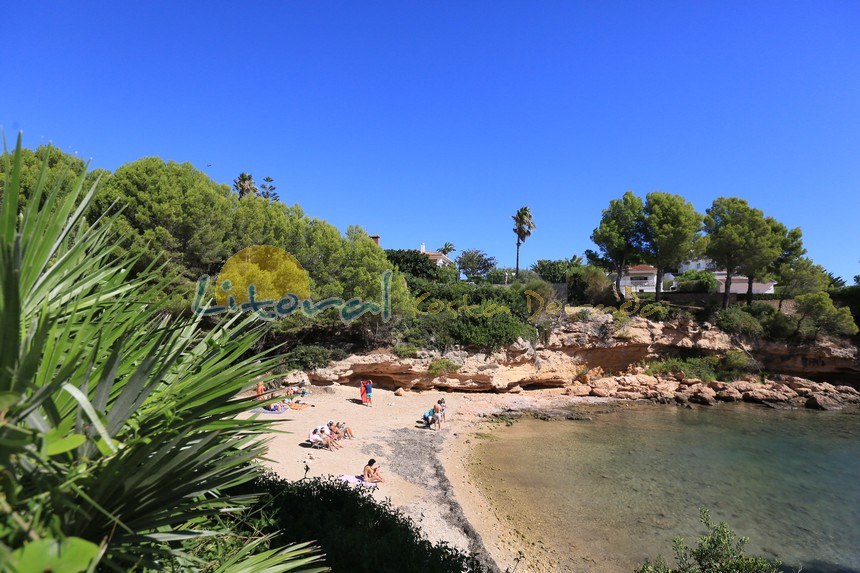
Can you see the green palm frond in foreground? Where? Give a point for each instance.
(119, 427)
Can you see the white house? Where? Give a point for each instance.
(640, 278)
(439, 259)
(739, 282)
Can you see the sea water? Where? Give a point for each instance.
(607, 494)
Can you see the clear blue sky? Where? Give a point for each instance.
(435, 121)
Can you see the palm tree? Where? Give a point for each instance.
(244, 185)
(523, 227)
(447, 248)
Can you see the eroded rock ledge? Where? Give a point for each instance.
(577, 355)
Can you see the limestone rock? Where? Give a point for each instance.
(578, 390)
(822, 402)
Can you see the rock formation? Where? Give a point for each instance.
(577, 353)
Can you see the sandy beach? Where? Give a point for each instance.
(427, 472)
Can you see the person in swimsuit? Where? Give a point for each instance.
(369, 390)
(371, 473)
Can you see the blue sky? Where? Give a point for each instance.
(433, 122)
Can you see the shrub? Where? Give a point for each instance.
(441, 366)
(338, 354)
(656, 311)
(818, 310)
(735, 320)
(703, 368)
(589, 285)
(405, 350)
(357, 532)
(719, 550)
(850, 297)
(620, 318)
(734, 364)
(307, 357)
(761, 310)
(697, 281)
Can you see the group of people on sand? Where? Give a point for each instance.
(292, 398)
(435, 415)
(330, 435)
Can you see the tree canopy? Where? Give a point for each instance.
(669, 233)
(618, 237)
(474, 263)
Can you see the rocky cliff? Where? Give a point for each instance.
(577, 354)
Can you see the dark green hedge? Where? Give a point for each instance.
(358, 532)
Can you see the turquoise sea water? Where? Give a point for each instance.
(604, 495)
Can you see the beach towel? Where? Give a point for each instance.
(356, 480)
(264, 411)
(363, 393)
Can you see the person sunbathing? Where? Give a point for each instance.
(371, 473)
(326, 432)
(275, 407)
(316, 437)
(334, 431)
(345, 430)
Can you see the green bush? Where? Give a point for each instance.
(405, 350)
(733, 365)
(307, 357)
(338, 354)
(736, 320)
(761, 310)
(657, 312)
(780, 326)
(589, 285)
(620, 318)
(697, 281)
(720, 550)
(355, 531)
(441, 366)
(703, 368)
(850, 297)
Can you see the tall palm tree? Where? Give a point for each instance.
(244, 185)
(523, 227)
(447, 248)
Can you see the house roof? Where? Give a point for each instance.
(642, 268)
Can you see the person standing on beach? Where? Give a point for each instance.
(369, 392)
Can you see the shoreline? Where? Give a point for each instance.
(429, 473)
(426, 471)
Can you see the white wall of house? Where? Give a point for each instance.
(640, 282)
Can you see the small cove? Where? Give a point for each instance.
(604, 495)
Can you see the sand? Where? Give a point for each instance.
(426, 471)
